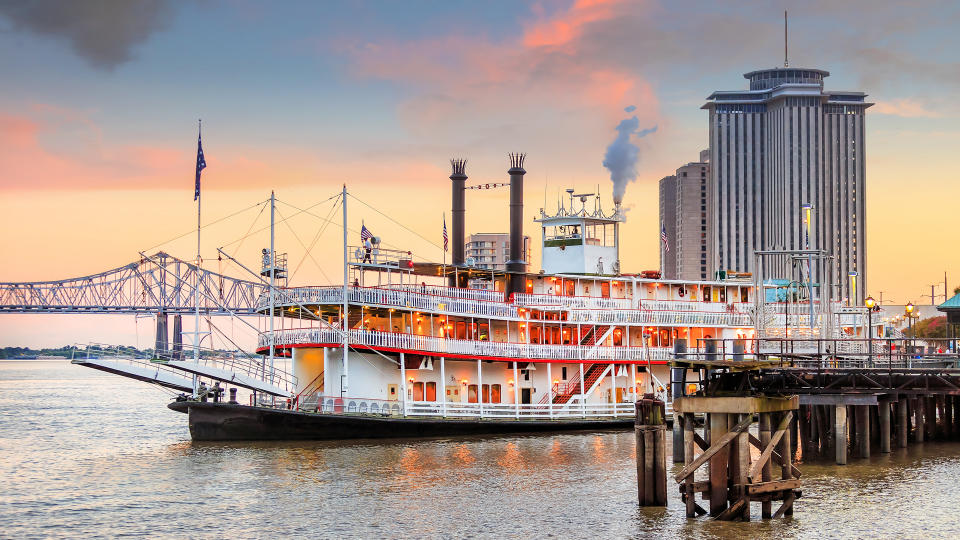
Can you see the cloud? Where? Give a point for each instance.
(102, 32)
(907, 108)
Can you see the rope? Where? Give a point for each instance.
(192, 231)
(316, 238)
(268, 227)
(307, 251)
(397, 222)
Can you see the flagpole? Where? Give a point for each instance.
(444, 246)
(196, 288)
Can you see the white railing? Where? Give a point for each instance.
(696, 306)
(451, 292)
(463, 347)
(632, 316)
(389, 297)
(350, 405)
(570, 302)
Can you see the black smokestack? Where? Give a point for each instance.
(515, 265)
(459, 179)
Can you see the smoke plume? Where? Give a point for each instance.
(622, 154)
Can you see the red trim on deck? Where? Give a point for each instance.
(262, 350)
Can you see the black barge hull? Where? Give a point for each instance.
(230, 422)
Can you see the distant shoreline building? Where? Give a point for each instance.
(782, 144)
(686, 211)
(491, 251)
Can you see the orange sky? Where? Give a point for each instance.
(96, 161)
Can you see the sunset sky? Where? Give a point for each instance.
(100, 101)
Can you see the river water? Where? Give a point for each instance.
(86, 454)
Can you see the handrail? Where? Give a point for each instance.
(463, 347)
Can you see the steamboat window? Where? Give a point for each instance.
(571, 287)
(472, 393)
(706, 294)
(494, 393)
(486, 393)
(563, 373)
(483, 332)
(529, 286)
(605, 289)
(461, 330)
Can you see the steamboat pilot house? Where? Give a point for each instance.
(576, 339)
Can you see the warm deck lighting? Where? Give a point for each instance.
(463, 382)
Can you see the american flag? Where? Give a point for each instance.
(201, 165)
(663, 237)
(365, 233)
(446, 239)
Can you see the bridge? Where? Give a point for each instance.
(158, 284)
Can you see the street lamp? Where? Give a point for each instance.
(870, 303)
(909, 313)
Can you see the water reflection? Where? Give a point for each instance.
(99, 456)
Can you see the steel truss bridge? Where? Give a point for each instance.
(157, 284)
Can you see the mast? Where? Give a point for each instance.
(344, 362)
(273, 275)
(196, 288)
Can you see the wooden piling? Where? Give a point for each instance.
(903, 422)
(840, 431)
(650, 429)
(863, 430)
(766, 507)
(884, 421)
(919, 425)
(718, 465)
(688, 441)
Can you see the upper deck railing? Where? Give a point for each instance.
(581, 309)
(570, 302)
(465, 348)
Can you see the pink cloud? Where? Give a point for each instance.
(907, 108)
(459, 79)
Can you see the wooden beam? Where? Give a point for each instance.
(734, 405)
(714, 448)
(734, 511)
(777, 458)
(765, 455)
(838, 399)
(775, 485)
(787, 505)
(701, 486)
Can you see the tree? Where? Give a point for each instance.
(932, 328)
(956, 290)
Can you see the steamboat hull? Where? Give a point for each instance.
(231, 422)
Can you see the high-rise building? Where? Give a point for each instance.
(492, 250)
(685, 218)
(783, 144)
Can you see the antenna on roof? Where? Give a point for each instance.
(786, 63)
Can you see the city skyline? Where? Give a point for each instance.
(98, 129)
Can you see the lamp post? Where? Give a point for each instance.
(870, 303)
(909, 313)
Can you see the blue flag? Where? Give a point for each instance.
(201, 165)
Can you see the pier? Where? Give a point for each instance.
(809, 405)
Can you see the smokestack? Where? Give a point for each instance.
(459, 179)
(516, 263)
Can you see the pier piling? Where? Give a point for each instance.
(650, 428)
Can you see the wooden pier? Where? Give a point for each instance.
(735, 479)
(810, 408)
